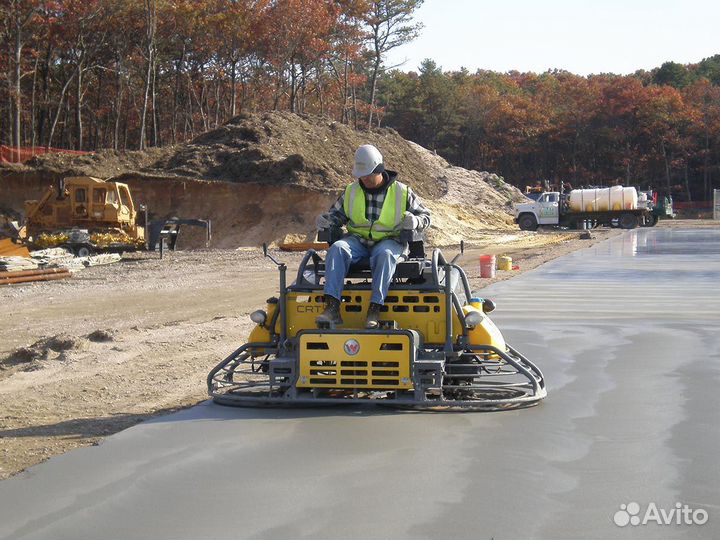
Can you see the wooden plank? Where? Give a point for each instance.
(303, 246)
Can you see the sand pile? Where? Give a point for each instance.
(473, 204)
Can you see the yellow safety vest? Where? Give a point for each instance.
(391, 215)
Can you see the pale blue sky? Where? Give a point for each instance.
(582, 37)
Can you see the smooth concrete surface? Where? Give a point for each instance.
(627, 334)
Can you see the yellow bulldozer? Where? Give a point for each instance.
(88, 215)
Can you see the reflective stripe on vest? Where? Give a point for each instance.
(391, 215)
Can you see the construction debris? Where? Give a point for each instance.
(103, 258)
(56, 258)
(61, 258)
(48, 264)
(50, 253)
(10, 264)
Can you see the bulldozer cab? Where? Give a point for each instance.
(95, 200)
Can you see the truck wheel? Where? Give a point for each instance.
(653, 220)
(628, 221)
(84, 250)
(527, 222)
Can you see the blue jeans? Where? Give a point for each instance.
(383, 259)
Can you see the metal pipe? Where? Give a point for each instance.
(28, 279)
(303, 264)
(465, 282)
(36, 272)
(536, 384)
(448, 310)
(283, 304)
(434, 265)
(461, 315)
(232, 357)
(146, 227)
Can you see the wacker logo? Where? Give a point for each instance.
(680, 514)
(352, 347)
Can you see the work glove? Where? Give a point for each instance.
(410, 222)
(323, 221)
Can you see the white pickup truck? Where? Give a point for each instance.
(553, 209)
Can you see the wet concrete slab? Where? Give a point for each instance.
(627, 334)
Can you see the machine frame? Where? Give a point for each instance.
(450, 373)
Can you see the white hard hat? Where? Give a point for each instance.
(367, 158)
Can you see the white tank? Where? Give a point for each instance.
(603, 199)
(630, 198)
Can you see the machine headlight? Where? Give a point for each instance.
(258, 317)
(473, 319)
(488, 306)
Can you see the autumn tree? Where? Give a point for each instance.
(345, 58)
(390, 24)
(238, 26)
(17, 17)
(292, 46)
(704, 97)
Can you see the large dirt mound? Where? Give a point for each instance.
(281, 148)
(264, 177)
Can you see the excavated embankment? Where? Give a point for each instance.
(264, 177)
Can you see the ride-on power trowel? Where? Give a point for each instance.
(435, 348)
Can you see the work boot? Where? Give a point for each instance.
(331, 314)
(372, 316)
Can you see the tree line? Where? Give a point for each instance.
(657, 129)
(128, 74)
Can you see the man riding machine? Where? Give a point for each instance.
(377, 321)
